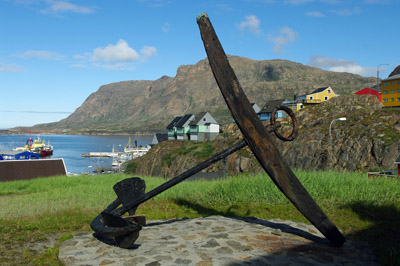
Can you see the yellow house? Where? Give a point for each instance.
(390, 91)
(295, 106)
(318, 96)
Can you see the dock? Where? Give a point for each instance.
(100, 154)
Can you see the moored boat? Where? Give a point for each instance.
(37, 146)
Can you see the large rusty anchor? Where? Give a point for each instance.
(130, 192)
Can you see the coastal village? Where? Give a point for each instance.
(204, 127)
(201, 128)
(206, 133)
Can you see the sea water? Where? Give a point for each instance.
(71, 148)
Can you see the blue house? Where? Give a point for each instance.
(17, 155)
(265, 113)
(256, 109)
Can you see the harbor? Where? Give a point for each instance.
(71, 148)
(118, 158)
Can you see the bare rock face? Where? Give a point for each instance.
(367, 140)
(148, 106)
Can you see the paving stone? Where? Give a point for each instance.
(218, 241)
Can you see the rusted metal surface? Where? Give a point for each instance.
(257, 137)
(130, 192)
(295, 127)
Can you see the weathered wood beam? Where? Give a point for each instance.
(258, 138)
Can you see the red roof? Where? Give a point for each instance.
(367, 91)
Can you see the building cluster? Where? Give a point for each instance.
(193, 127)
(316, 97)
(389, 93)
(203, 126)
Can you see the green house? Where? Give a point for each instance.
(203, 126)
(172, 127)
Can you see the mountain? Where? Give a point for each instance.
(148, 106)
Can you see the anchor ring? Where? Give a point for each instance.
(295, 129)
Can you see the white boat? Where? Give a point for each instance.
(136, 151)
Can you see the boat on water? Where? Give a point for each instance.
(130, 152)
(136, 151)
(38, 146)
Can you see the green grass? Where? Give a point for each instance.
(199, 150)
(36, 210)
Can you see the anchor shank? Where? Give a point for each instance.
(257, 137)
(176, 180)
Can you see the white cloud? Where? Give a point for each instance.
(225, 7)
(115, 57)
(57, 7)
(115, 53)
(41, 54)
(316, 14)
(80, 57)
(118, 66)
(166, 27)
(155, 3)
(340, 65)
(297, 2)
(26, 2)
(78, 66)
(372, 2)
(346, 11)
(331, 2)
(286, 36)
(9, 67)
(252, 24)
(148, 51)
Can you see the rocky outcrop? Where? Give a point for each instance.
(369, 139)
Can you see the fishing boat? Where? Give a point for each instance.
(37, 146)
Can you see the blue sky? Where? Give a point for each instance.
(54, 54)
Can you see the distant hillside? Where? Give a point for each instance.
(368, 140)
(148, 106)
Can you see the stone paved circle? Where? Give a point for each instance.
(218, 240)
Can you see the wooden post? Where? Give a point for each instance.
(258, 138)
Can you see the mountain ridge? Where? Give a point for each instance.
(148, 106)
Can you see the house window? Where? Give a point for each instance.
(385, 92)
(385, 84)
(398, 82)
(398, 90)
(301, 106)
(392, 91)
(326, 98)
(392, 99)
(204, 119)
(398, 99)
(385, 100)
(265, 116)
(392, 82)
(329, 91)
(311, 97)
